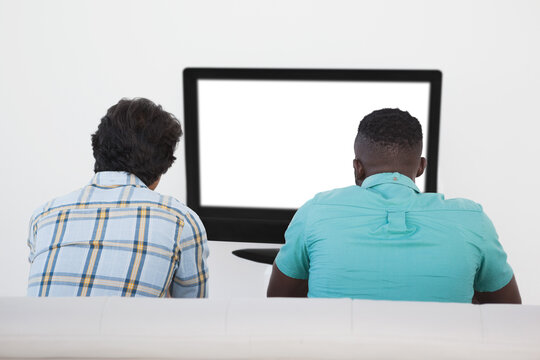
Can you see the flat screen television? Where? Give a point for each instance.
(261, 142)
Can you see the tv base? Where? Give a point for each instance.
(265, 256)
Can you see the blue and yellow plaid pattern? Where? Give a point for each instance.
(117, 237)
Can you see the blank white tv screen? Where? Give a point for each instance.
(275, 144)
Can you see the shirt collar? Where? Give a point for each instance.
(389, 178)
(111, 179)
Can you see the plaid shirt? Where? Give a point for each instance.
(117, 237)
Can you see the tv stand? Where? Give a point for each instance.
(265, 256)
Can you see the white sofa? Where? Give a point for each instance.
(100, 328)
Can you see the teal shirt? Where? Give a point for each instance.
(386, 240)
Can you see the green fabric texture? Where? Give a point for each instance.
(386, 240)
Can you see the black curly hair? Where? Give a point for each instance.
(391, 129)
(136, 136)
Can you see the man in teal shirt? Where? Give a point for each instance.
(384, 239)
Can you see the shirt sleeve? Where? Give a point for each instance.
(494, 272)
(31, 240)
(293, 259)
(191, 276)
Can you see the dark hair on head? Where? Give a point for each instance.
(136, 136)
(392, 129)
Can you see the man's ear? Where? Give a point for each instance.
(359, 172)
(421, 166)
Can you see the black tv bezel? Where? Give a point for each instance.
(262, 225)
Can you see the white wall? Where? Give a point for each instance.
(62, 63)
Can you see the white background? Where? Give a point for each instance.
(63, 63)
(275, 144)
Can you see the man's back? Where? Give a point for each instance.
(117, 237)
(385, 240)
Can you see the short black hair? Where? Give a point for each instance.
(392, 129)
(136, 136)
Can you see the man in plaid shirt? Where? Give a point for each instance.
(117, 236)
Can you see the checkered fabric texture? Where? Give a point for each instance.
(116, 237)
